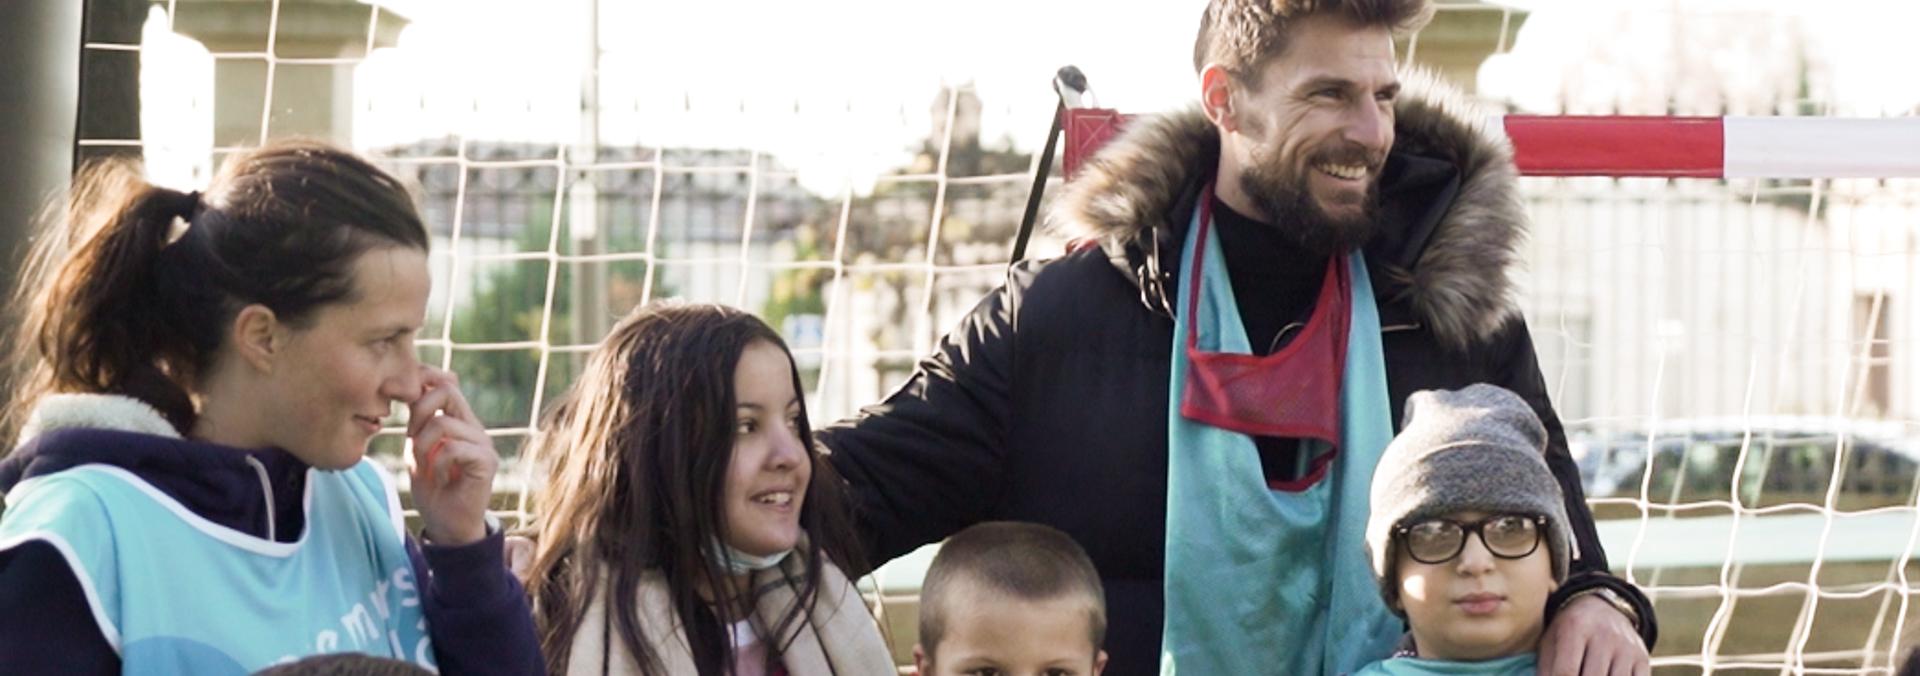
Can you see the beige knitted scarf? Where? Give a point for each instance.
(839, 638)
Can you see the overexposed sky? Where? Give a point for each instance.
(1709, 57)
(831, 88)
(840, 90)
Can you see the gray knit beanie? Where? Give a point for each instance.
(1479, 448)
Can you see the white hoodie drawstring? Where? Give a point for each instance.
(266, 486)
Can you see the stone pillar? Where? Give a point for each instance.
(1459, 40)
(309, 99)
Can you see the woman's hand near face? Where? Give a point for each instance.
(453, 462)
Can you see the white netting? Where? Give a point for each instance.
(1756, 336)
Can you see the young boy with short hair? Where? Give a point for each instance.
(1468, 533)
(1012, 599)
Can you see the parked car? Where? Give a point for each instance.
(1771, 460)
(1754, 535)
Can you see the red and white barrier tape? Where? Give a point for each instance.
(1621, 146)
(1716, 147)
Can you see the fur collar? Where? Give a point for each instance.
(95, 411)
(1456, 278)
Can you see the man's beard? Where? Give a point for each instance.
(1286, 201)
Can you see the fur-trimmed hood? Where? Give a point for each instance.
(1450, 262)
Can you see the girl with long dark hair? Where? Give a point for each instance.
(687, 525)
(198, 376)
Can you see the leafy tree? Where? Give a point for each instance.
(508, 305)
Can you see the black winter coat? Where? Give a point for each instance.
(1048, 403)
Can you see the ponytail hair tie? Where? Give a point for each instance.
(185, 207)
(193, 206)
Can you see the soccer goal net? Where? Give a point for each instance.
(1736, 357)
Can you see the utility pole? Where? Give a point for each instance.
(587, 287)
(40, 41)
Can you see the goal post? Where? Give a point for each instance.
(1722, 299)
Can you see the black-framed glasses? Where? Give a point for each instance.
(1437, 540)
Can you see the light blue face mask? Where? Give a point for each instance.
(741, 563)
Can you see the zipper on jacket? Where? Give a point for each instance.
(266, 487)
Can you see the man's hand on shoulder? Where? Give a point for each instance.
(1589, 637)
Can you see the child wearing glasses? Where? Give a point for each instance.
(1468, 533)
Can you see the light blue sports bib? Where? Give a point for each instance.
(1524, 664)
(1260, 581)
(174, 593)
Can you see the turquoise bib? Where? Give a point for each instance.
(1260, 581)
(174, 593)
(1518, 665)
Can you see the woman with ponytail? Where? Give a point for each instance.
(687, 526)
(198, 376)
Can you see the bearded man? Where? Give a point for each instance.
(1199, 393)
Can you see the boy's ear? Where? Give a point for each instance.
(923, 666)
(1099, 662)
